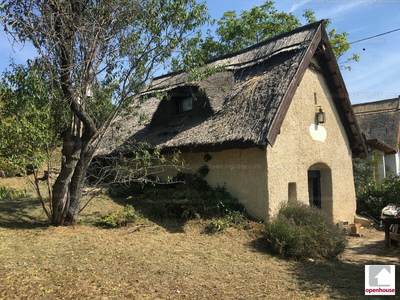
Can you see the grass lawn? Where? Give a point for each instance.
(161, 260)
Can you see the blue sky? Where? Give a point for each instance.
(375, 77)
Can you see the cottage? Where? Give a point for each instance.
(380, 124)
(276, 126)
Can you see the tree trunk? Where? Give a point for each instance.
(68, 188)
(61, 188)
(77, 185)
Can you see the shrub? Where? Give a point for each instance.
(365, 170)
(7, 192)
(376, 195)
(193, 199)
(232, 218)
(301, 231)
(118, 219)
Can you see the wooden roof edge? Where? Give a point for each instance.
(342, 100)
(288, 97)
(344, 105)
(381, 145)
(382, 101)
(375, 112)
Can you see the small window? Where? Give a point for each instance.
(292, 193)
(186, 104)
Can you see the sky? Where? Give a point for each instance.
(374, 77)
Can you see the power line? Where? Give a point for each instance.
(371, 37)
(374, 36)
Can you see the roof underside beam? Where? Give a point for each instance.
(381, 145)
(341, 98)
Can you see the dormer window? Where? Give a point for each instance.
(185, 104)
(182, 103)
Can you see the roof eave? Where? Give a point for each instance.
(341, 99)
(213, 147)
(381, 145)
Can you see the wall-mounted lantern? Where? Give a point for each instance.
(320, 116)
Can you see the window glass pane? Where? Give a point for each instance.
(186, 104)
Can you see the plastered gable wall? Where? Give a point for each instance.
(295, 152)
(242, 172)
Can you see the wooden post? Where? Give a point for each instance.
(387, 239)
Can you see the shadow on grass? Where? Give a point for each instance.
(22, 213)
(172, 205)
(149, 210)
(343, 279)
(375, 252)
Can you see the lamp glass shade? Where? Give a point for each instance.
(321, 117)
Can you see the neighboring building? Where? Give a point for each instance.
(257, 120)
(379, 123)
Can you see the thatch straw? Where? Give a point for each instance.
(239, 104)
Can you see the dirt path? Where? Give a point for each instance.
(370, 248)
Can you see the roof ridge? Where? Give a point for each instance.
(279, 36)
(376, 101)
(228, 55)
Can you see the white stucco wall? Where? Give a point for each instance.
(392, 162)
(295, 151)
(388, 164)
(380, 157)
(382, 165)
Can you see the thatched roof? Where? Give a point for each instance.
(379, 120)
(243, 106)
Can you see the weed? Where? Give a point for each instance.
(118, 219)
(193, 199)
(232, 218)
(203, 171)
(7, 192)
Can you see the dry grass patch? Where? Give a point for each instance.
(153, 262)
(87, 262)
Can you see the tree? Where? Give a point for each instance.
(113, 45)
(31, 116)
(235, 32)
(366, 171)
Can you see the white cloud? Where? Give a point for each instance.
(298, 4)
(331, 10)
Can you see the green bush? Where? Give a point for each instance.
(232, 218)
(7, 192)
(301, 231)
(376, 195)
(365, 170)
(118, 219)
(193, 199)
